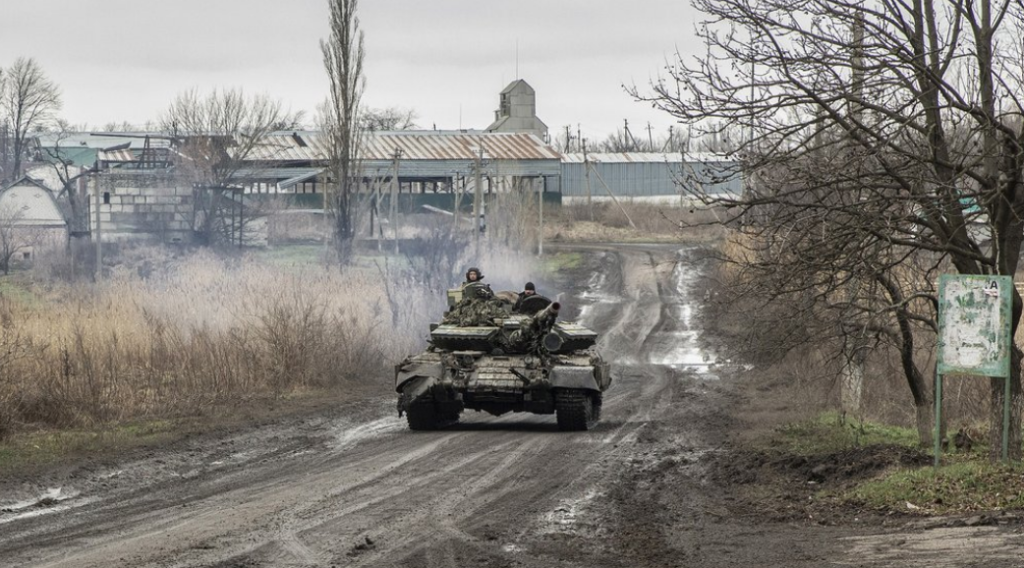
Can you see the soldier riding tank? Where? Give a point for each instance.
(484, 357)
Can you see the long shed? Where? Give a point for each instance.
(432, 158)
(645, 175)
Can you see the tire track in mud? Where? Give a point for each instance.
(495, 491)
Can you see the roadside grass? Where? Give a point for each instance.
(828, 432)
(29, 450)
(966, 482)
(559, 261)
(966, 486)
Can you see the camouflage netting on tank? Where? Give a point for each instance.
(474, 311)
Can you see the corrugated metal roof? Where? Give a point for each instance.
(414, 145)
(644, 157)
(100, 140)
(81, 157)
(274, 174)
(118, 155)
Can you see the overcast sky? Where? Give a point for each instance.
(124, 60)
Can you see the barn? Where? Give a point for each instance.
(31, 222)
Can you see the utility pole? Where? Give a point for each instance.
(568, 138)
(394, 196)
(682, 168)
(99, 226)
(616, 201)
(457, 192)
(478, 196)
(586, 170)
(650, 137)
(540, 208)
(326, 213)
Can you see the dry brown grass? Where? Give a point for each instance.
(198, 334)
(653, 223)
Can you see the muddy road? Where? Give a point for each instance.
(354, 487)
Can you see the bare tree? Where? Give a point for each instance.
(339, 117)
(14, 238)
(387, 119)
(216, 138)
(28, 100)
(5, 157)
(622, 141)
(69, 176)
(879, 133)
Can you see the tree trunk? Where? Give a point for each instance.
(995, 430)
(852, 385)
(925, 418)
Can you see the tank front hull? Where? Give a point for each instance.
(447, 383)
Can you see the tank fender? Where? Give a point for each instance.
(571, 377)
(602, 371)
(411, 369)
(416, 387)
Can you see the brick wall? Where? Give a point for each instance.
(144, 206)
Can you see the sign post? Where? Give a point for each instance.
(975, 314)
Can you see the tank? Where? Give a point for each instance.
(485, 356)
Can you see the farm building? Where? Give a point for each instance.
(517, 111)
(649, 176)
(426, 160)
(30, 220)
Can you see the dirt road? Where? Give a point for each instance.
(356, 488)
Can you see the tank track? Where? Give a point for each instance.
(577, 409)
(423, 415)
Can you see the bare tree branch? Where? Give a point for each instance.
(882, 144)
(28, 100)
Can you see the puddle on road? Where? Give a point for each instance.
(676, 342)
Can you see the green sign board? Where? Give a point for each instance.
(974, 325)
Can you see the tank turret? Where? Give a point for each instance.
(532, 331)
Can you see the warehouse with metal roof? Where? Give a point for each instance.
(428, 160)
(647, 175)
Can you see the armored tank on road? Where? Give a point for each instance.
(485, 357)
